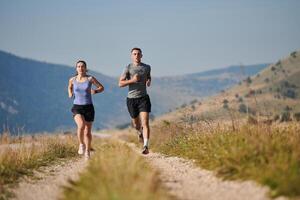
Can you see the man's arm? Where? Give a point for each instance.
(124, 82)
(148, 82)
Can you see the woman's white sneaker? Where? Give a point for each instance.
(81, 149)
(87, 155)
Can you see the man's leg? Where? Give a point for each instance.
(136, 123)
(146, 129)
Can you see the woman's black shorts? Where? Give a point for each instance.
(87, 111)
(137, 105)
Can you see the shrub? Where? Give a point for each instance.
(267, 80)
(290, 93)
(278, 63)
(251, 120)
(294, 54)
(225, 106)
(285, 117)
(242, 108)
(249, 80)
(276, 117)
(194, 101)
(297, 116)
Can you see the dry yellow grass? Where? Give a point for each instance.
(20, 156)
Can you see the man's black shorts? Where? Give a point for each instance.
(87, 111)
(137, 105)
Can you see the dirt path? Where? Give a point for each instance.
(48, 184)
(187, 182)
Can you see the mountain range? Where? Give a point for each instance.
(33, 94)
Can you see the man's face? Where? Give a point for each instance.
(136, 56)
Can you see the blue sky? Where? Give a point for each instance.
(177, 36)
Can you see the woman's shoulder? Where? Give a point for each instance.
(72, 78)
(90, 77)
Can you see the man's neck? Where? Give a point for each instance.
(136, 63)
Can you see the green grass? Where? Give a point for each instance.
(116, 172)
(266, 154)
(16, 162)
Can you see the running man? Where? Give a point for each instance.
(137, 76)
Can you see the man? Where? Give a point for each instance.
(137, 76)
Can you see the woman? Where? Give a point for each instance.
(80, 88)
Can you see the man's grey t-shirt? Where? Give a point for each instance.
(137, 90)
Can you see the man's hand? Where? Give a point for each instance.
(148, 82)
(136, 78)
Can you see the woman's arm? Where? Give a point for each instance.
(70, 88)
(99, 86)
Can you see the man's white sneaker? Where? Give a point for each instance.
(81, 149)
(145, 150)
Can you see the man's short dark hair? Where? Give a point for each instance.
(136, 48)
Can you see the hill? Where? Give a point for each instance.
(269, 94)
(33, 94)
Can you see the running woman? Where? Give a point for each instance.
(137, 76)
(80, 88)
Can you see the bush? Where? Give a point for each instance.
(225, 106)
(276, 117)
(267, 80)
(285, 117)
(249, 80)
(251, 120)
(290, 93)
(297, 116)
(242, 108)
(273, 68)
(278, 63)
(293, 54)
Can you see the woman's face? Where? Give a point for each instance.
(81, 68)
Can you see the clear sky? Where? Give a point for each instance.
(177, 36)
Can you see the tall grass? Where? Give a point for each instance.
(116, 172)
(267, 154)
(20, 156)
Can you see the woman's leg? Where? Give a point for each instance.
(88, 135)
(80, 122)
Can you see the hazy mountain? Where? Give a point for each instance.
(33, 94)
(272, 93)
(172, 92)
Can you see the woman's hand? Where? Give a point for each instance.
(93, 91)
